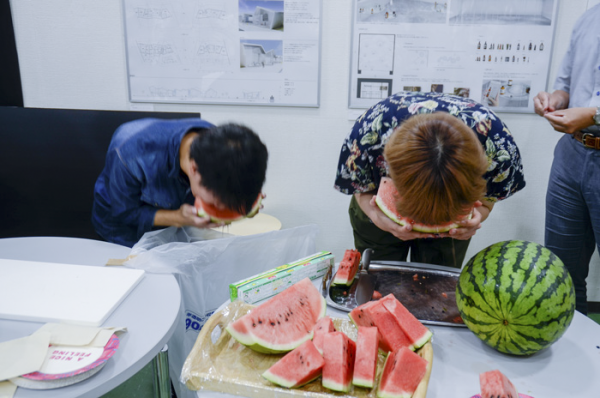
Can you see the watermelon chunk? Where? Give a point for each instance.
(283, 322)
(226, 216)
(495, 384)
(297, 367)
(402, 373)
(347, 269)
(416, 332)
(365, 365)
(323, 326)
(374, 313)
(338, 353)
(386, 199)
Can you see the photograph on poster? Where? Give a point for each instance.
(401, 11)
(263, 56)
(376, 53)
(462, 92)
(260, 16)
(507, 12)
(506, 93)
(412, 88)
(374, 89)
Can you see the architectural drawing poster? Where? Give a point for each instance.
(224, 51)
(496, 52)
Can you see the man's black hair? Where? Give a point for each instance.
(232, 161)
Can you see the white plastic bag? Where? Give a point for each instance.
(205, 262)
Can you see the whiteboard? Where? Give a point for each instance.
(259, 52)
(52, 292)
(496, 52)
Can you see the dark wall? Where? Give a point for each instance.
(49, 162)
(11, 93)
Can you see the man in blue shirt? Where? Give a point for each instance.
(573, 195)
(156, 168)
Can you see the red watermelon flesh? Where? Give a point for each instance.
(386, 199)
(392, 336)
(297, 367)
(224, 215)
(338, 353)
(416, 332)
(402, 373)
(283, 322)
(348, 268)
(365, 365)
(495, 384)
(359, 317)
(323, 326)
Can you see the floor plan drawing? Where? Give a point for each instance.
(376, 53)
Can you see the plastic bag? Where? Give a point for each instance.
(205, 262)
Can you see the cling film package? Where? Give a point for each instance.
(269, 283)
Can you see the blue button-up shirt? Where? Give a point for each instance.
(579, 73)
(142, 174)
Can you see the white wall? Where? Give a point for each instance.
(72, 55)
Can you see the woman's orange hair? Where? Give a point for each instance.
(437, 165)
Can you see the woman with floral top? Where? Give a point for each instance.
(448, 156)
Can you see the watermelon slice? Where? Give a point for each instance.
(495, 384)
(386, 199)
(416, 332)
(323, 326)
(374, 313)
(226, 216)
(297, 367)
(348, 268)
(402, 373)
(365, 365)
(338, 353)
(283, 322)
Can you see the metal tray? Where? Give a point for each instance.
(428, 291)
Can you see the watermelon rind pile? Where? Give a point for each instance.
(516, 296)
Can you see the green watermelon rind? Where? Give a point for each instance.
(538, 316)
(422, 341)
(280, 381)
(261, 346)
(251, 213)
(357, 381)
(332, 385)
(416, 226)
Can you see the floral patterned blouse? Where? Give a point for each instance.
(362, 165)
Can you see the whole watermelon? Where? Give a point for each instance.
(516, 296)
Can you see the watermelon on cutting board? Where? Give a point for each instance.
(283, 322)
(338, 352)
(516, 296)
(387, 198)
(347, 269)
(495, 384)
(374, 313)
(402, 373)
(365, 364)
(323, 326)
(298, 367)
(416, 332)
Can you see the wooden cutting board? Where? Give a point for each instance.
(51, 292)
(218, 362)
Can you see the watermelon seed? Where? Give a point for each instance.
(286, 319)
(272, 323)
(278, 323)
(254, 325)
(259, 322)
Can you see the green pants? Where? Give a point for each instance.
(386, 247)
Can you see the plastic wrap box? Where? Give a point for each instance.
(269, 283)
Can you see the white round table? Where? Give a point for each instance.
(149, 312)
(568, 368)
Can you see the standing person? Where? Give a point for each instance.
(573, 195)
(156, 168)
(447, 156)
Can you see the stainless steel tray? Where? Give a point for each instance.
(428, 291)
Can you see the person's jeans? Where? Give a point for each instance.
(386, 247)
(573, 210)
